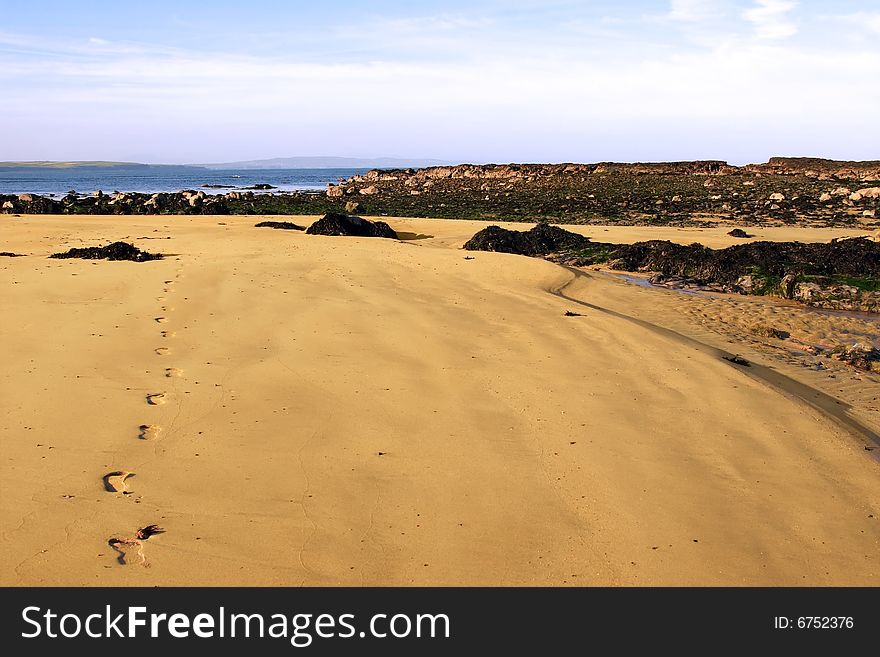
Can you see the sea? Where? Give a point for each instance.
(153, 179)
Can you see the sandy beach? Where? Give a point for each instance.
(307, 410)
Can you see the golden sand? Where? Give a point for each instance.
(305, 410)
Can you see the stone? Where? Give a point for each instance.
(114, 251)
(335, 191)
(281, 225)
(347, 225)
(353, 207)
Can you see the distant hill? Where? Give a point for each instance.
(47, 164)
(52, 165)
(327, 162)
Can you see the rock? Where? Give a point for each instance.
(353, 207)
(281, 225)
(369, 191)
(777, 196)
(787, 285)
(114, 251)
(840, 191)
(739, 232)
(8, 205)
(860, 356)
(334, 191)
(825, 197)
(347, 225)
(26, 198)
(869, 192)
(869, 213)
(542, 239)
(745, 284)
(262, 186)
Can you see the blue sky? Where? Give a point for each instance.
(479, 81)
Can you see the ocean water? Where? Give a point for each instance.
(86, 180)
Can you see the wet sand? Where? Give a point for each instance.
(305, 410)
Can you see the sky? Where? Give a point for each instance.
(464, 81)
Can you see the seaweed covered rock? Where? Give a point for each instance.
(842, 274)
(350, 226)
(861, 356)
(543, 239)
(739, 232)
(280, 225)
(114, 251)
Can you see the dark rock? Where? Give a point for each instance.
(739, 232)
(9, 254)
(262, 186)
(543, 239)
(282, 225)
(347, 225)
(860, 356)
(737, 360)
(569, 313)
(114, 251)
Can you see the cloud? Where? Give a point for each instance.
(770, 18)
(691, 10)
(453, 87)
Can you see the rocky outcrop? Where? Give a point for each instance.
(541, 240)
(347, 225)
(114, 251)
(842, 274)
(783, 190)
(814, 167)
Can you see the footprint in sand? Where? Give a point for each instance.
(166, 309)
(149, 431)
(171, 372)
(161, 320)
(161, 298)
(163, 351)
(168, 334)
(114, 482)
(130, 550)
(156, 398)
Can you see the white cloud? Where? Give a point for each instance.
(578, 91)
(770, 18)
(691, 10)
